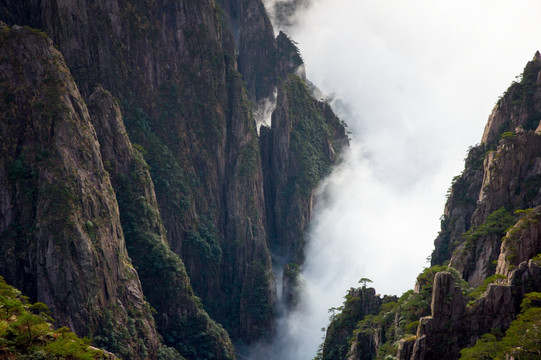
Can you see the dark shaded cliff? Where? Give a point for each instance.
(62, 241)
(298, 151)
(178, 149)
(173, 67)
(359, 303)
(180, 317)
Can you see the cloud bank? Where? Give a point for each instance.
(419, 79)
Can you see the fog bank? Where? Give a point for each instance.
(418, 80)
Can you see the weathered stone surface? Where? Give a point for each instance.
(521, 243)
(61, 225)
(146, 240)
(454, 326)
(507, 113)
(447, 300)
(295, 159)
(503, 172)
(359, 303)
(173, 66)
(405, 349)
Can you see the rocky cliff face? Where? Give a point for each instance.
(502, 172)
(453, 326)
(180, 317)
(60, 219)
(298, 150)
(173, 68)
(178, 149)
(359, 303)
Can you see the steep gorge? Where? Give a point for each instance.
(176, 175)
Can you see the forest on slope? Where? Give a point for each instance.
(138, 201)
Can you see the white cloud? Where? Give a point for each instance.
(420, 78)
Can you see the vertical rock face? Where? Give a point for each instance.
(359, 303)
(452, 326)
(521, 243)
(489, 233)
(178, 312)
(503, 172)
(194, 172)
(297, 152)
(257, 50)
(173, 66)
(60, 219)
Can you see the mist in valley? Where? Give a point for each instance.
(415, 82)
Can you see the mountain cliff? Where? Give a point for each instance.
(132, 170)
(62, 238)
(479, 298)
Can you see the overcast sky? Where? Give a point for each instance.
(419, 79)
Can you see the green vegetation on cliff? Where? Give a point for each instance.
(26, 332)
(372, 328)
(304, 142)
(180, 316)
(521, 341)
(312, 136)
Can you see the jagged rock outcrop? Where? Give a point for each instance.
(172, 66)
(461, 203)
(62, 239)
(264, 61)
(489, 237)
(364, 345)
(359, 303)
(297, 151)
(178, 312)
(453, 326)
(503, 172)
(521, 243)
(289, 60)
(257, 50)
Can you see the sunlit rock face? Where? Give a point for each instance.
(502, 172)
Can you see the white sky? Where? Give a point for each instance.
(420, 78)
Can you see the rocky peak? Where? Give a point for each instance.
(452, 325)
(360, 302)
(518, 106)
(447, 300)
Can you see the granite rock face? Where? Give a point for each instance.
(169, 84)
(146, 241)
(503, 172)
(453, 326)
(173, 67)
(486, 257)
(297, 152)
(359, 303)
(60, 218)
